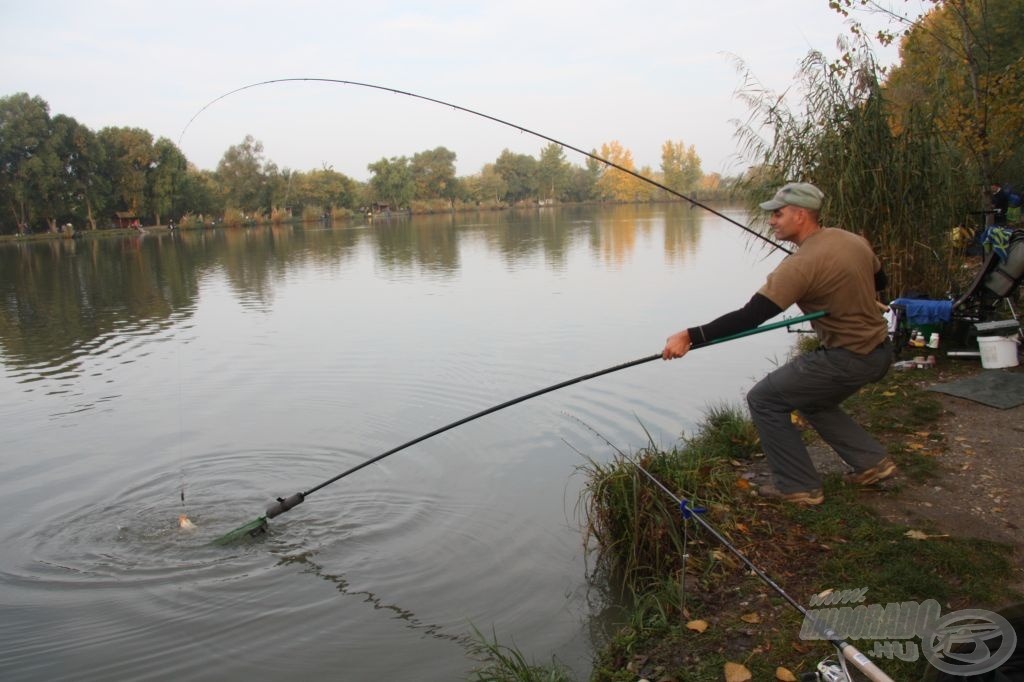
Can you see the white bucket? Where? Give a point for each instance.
(998, 351)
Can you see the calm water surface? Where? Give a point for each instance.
(235, 366)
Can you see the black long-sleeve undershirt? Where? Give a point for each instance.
(758, 309)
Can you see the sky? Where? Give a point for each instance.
(583, 73)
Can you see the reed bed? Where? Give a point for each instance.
(639, 529)
(903, 189)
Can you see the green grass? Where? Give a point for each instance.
(501, 663)
(842, 544)
(636, 524)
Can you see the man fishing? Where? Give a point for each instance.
(835, 271)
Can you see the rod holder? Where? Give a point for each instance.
(283, 504)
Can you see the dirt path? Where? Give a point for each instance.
(977, 489)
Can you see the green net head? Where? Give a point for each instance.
(249, 530)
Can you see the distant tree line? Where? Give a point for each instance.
(55, 170)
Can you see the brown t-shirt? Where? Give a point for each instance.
(833, 270)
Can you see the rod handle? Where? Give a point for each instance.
(864, 664)
(283, 504)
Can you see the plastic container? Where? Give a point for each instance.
(998, 351)
(920, 362)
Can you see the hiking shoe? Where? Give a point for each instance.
(879, 472)
(802, 497)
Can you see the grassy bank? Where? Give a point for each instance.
(689, 616)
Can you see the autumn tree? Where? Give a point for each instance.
(962, 68)
(680, 166)
(615, 185)
(712, 182)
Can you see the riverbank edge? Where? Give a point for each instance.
(748, 625)
(731, 618)
(349, 215)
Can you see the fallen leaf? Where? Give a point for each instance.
(916, 446)
(742, 484)
(918, 535)
(734, 672)
(887, 394)
(742, 527)
(750, 618)
(783, 675)
(697, 625)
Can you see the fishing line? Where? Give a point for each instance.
(259, 525)
(503, 122)
(848, 651)
(183, 520)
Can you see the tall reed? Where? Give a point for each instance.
(903, 190)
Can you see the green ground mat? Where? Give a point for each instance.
(1002, 388)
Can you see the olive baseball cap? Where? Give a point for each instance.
(802, 194)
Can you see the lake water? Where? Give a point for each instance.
(235, 366)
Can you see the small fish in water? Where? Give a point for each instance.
(184, 523)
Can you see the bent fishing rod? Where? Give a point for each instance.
(283, 504)
(522, 129)
(848, 651)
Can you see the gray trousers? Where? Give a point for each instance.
(815, 384)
